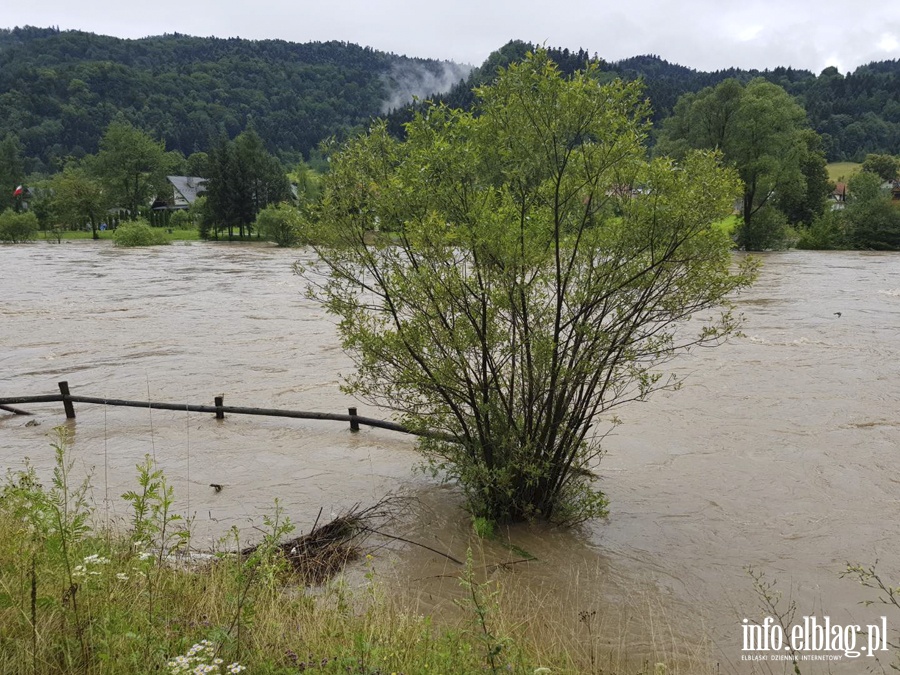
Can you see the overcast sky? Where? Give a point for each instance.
(701, 34)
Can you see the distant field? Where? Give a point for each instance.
(839, 172)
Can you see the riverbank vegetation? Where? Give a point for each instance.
(78, 595)
(139, 233)
(16, 228)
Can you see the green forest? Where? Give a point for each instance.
(59, 90)
(856, 114)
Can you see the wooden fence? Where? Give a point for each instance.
(219, 409)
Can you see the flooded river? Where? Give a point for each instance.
(780, 452)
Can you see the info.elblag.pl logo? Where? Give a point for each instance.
(812, 639)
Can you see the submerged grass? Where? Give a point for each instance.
(78, 599)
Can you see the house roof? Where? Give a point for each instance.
(190, 187)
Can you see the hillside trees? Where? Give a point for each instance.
(521, 293)
(59, 90)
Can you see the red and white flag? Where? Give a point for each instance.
(19, 190)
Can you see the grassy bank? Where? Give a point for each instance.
(77, 598)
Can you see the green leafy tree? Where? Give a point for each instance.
(521, 291)
(804, 197)
(762, 133)
(12, 172)
(283, 224)
(308, 183)
(885, 167)
(873, 221)
(827, 232)
(131, 165)
(78, 198)
(197, 164)
(200, 216)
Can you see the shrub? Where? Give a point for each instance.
(139, 233)
(282, 224)
(17, 227)
(181, 220)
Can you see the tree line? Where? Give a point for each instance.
(127, 179)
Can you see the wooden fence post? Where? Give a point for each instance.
(354, 424)
(219, 401)
(67, 404)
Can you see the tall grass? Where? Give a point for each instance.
(75, 598)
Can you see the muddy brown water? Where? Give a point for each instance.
(780, 452)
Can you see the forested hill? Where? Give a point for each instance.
(856, 113)
(60, 89)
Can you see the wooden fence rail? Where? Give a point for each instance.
(218, 409)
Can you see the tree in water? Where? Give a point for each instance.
(506, 278)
